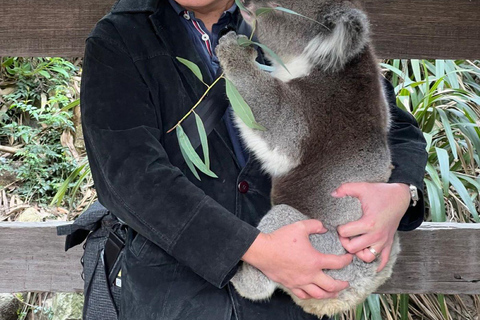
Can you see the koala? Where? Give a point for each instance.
(327, 121)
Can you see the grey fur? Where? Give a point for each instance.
(327, 125)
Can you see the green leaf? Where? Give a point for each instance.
(404, 306)
(61, 71)
(193, 67)
(203, 138)
(473, 182)
(244, 42)
(301, 15)
(190, 164)
(71, 105)
(45, 74)
(359, 311)
(8, 62)
(448, 132)
(440, 72)
(242, 7)
(428, 138)
(416, 69)
(190, 153)
(463, 193)
(444, 162)
(271, 54)
(434, 175)
(241, 108)
(443, 305)
(374, 306)
(435, 200)
(261, 11)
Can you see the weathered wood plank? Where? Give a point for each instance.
(402, 28)
(436, 258)
(33, 258)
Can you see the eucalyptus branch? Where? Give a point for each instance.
(197, 104)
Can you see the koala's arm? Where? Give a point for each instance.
(257, 87)
(409, 156)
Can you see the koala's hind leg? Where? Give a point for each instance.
(250, 282)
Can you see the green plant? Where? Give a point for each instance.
(444, 97)
(34, 113)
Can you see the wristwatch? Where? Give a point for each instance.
(413, 195)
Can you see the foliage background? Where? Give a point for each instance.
(44, 173)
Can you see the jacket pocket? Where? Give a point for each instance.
(147, 252)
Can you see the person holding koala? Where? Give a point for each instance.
(187, 237)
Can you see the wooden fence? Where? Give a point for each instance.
(436, 258)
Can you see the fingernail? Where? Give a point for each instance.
(334, 193)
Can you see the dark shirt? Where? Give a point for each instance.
(205, 42)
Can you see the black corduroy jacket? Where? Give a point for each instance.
(189, 235)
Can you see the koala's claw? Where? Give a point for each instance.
(231, 54)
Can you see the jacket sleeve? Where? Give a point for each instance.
(134, 178)
(409, 157)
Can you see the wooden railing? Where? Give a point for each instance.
(436, 258)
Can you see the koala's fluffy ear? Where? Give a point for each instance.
(345, 34)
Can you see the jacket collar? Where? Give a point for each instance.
(174, 36)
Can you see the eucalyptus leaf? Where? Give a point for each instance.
(261, 11)
(272, 54)
(240, 5)
(203, 139)
(193, 67)
(190, 153)
(301, 15)
(241, 108)
(190, 164)
(244, 42)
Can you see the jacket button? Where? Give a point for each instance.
(243, 187)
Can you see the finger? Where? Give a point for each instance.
(313, 226)
(366, 255)
(356, 228)
(329, 284)
(355, 189)
(357, 244)
(318, 293)
(332, 261)
(385, 256)
(301, 294)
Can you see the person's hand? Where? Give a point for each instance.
(384, 205)
(286, 256)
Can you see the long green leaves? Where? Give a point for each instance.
(444, 97)
(241, 108)
(193, 67)
(189, 153)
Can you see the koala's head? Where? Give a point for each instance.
(335, 30)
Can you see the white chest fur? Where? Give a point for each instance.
(273, 161)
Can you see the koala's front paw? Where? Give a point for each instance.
(231, 55)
